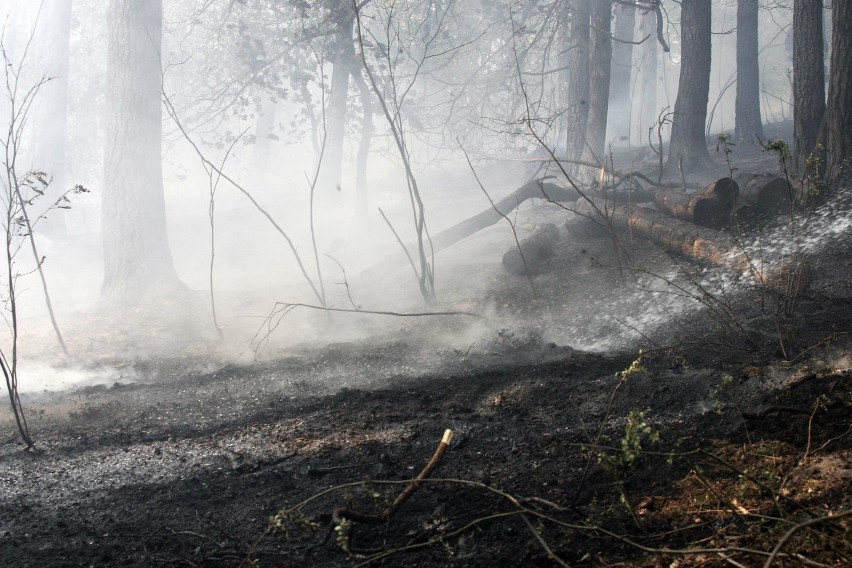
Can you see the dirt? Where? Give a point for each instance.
(727, 432)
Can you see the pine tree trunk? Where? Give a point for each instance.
(137, 258)
(748, 122)
(600, 63)
(647, 111)
(808, 78)
(577, 96)
(688, 142)
(622, 66)
(839, 112)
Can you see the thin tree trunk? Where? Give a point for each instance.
(137, 258)
(647, 111)
(839, 119)
(748, 123)
(688, 146)
(808, 78)
(577, 95)
(361, 191)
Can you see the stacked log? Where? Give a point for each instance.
(766, 195)
(534, 251)
(713, 207)
(785, 276)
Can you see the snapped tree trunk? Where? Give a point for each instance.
(839, 113)
(785, 276)
(688, 144)
(137, 258)
(808, 78)
(577, 91)
(748, 125)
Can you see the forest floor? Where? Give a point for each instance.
(726, 442)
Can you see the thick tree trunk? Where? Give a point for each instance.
(600, 64)
(647, 110)
(748, 123)
(808, 78)
(618, 123)
(712, 208)
(839, 112)
(137, 258)
(577, 95)
(54, 35)
(785, 276)
(688, 143)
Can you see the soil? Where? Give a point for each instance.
(729, 431)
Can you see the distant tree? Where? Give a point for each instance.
(747, 106)
(622, 66)
(688, 142)
(647, 104)
(839, 111)
(137, 257)
(808, 78)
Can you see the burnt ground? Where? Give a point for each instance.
(729, 435)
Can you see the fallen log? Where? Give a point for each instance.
(534, 251)
(785, 276)
(710, 208)
(767, 194)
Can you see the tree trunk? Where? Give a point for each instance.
(577, 96)
(137, 258)
(622, 65)
(748, 123)
(361, 196)
(335, 114)
(53, 37)
(647, 111)
(264, 132)
(839, 112)
(688, 143)
(600, 63)
(712, 208)
(808, 79)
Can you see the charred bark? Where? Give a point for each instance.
(808, 78)
(688, 144)
(839, 113)
(577, 91)
(600, 65)
(712, 208)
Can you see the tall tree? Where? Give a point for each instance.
(647, 110)
(53, 36)
(577, 91)
(343, 60)
(688, 143)
(137, 258)
(600, 65)
(839, 112)
(808, 78)
(622, 65)
(747, 106)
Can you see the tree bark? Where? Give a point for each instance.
(137, 258)
(600, 64)
(688, 142)
(577, 96)
(361, 191)
(712, 207)
(747, 107)
(808, 79)
(839, 112)
(622, 66)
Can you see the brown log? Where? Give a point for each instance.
(710, 208)
(533, 253)
(768, 194)
(785, 276)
